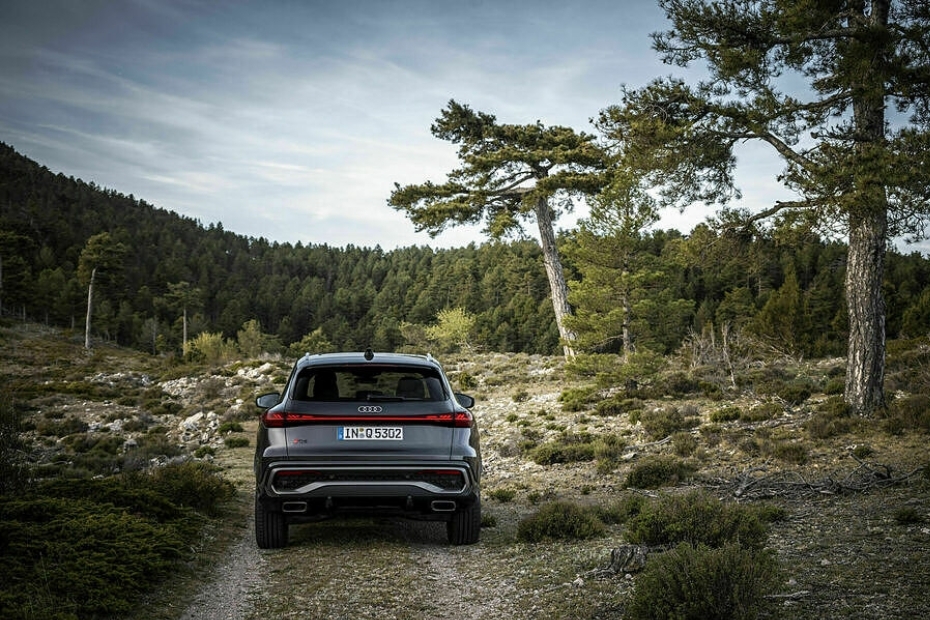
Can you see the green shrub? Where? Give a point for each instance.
(622, 510)
(696, 519)
(615, 405)
(82, 549)
(831, 418)
(908, 515)
(229, 427)
(204, 451)
(711, 390)
(726, 414)
(684, 444)
(560, 521)
(794, 392)
(192, 484)
(908, 413)
(660, 423)
(14, 472)
(761, 413)
(607, 451)
(679, 383)
(658, 471)
(834, 387)
(568, 449)
(502, 495)
(236, 442)
(727, 583)
(578, 399)
(791, 452)
(61, 428)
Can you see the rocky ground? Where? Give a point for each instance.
(855, 542)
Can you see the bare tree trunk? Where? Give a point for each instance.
(626, 331)
(865, 358)
(90, 308)
(868, 232)
(184, 333)
(557, 286)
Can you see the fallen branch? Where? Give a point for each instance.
(866, 477)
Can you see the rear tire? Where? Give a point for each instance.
(464, 528)
(271, 529)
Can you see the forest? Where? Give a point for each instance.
(170, 271)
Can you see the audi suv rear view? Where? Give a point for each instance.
(362, 434)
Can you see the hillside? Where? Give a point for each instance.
(852, 536)
(788, 290)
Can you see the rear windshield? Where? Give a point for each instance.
(368, 383)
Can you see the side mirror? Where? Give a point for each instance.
(267, 401)
(465, 400)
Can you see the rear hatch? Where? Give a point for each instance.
(368, 412)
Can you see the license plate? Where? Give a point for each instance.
(370, 433)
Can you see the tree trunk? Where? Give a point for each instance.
(865, 358)
(868, 231)
(184, 333)
(557, 285)
(90, 308)
(626, 331)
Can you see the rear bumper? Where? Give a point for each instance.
(310, 490)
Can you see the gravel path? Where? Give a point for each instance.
(227, 594)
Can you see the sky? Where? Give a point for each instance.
(292, 120)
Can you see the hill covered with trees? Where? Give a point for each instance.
(173, 270)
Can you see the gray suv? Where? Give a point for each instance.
(367, 434)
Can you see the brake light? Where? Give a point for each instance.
(462, 419)
(282, 419)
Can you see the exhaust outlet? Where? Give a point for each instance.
(294, 507)
(443, 505)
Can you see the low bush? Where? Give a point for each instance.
(236, 442)
(684, 444)
(908, 413)
(502, 495)
(567, 449)
(578, 399)
(229, 427)
(560, 521)
(617, 405)
(660, 423)
(761, 413)
(61, 428)
(94, 548)
(608, 451)
(659, 471)
(726, 583)
(726, 414)
(697, 519)
(623, 509)
(831, 418)
(791, 452)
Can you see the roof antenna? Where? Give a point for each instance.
(369, 354)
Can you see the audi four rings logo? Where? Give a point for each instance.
(369, 409)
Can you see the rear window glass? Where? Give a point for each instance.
(368, 383)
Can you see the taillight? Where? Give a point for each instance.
(281, 419)
(462, 419)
